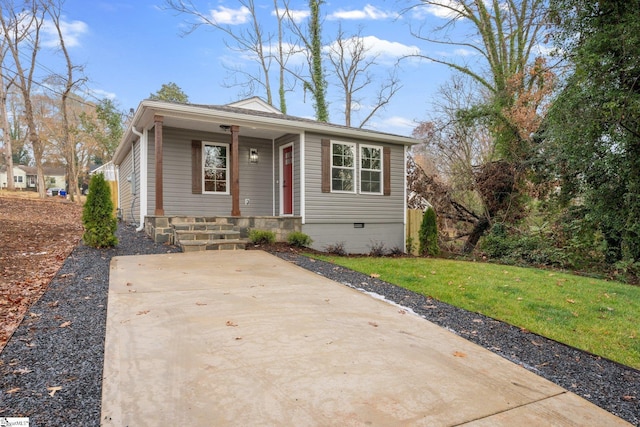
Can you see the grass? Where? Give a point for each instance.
(595, 315)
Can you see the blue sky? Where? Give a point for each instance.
(130, 48)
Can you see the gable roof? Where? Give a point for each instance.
(255, 104)
(255, 118)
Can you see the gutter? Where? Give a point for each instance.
(133, 164)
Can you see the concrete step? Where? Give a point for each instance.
(213, 245)
(201, 226)
(206, 235)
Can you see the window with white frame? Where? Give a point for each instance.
(370, 169)
(215, 166)
(17, 178)
(343, 167)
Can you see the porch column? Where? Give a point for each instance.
(235, 172)
(157, 120)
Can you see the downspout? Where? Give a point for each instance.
(133, 153)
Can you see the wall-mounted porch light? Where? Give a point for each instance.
(253, 155)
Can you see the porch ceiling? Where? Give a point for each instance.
(212, 124)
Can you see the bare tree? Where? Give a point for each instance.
(243, 40)
(71, 155)
(352, 64)
(21, 28)
(505, 35)
(5, 84)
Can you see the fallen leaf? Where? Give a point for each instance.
(140, 313)
(52, 390)
(402, 311)
(129, 284)
(459, 354)
(537, 344)
(13, 390)
(374, 324)
(201, 303)
(628, 398)
(570, 301)
(238, 338)
(433, 272)
(477, 321)
(22, 371)
(32, 314)
(230, 323)
(374, 275)
(53, 304)
(65, 324)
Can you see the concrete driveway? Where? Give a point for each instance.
(243, 338)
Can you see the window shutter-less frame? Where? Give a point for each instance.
(325, 154)
(196, 167)
(386, 170)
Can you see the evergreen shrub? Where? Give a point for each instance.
(99, 223)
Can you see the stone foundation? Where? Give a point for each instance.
(160, 228)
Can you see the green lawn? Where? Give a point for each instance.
(595, 315)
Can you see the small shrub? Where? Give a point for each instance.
(336, 249)
(377, 249)
(299, 239)
(396, 251)
(99, 223)
(262, 237)
(429, 233)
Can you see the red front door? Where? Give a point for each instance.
(287, 181)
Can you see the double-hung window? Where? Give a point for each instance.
(343, 167)
(215, 166)
(370, 169)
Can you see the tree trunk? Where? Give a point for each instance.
(6, 134)
(478, 231)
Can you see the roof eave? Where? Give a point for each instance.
(149, 108)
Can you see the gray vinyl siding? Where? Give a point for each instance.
(340, 208)
(356, 240)
(255, 178)
(295, 140)
(130, 200)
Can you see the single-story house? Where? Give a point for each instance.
(25, 177)
(249, 165)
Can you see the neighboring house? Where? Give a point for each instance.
(25, 177)
(249, 164)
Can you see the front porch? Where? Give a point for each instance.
(218, 232)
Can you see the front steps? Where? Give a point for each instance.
(207, 236)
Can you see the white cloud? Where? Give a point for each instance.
(227, 16)
(71, 33)
(386, 49)
(368, 12)
(464, 52)
(297, 15)
(100, 94)
(395, 124)
(446, 9)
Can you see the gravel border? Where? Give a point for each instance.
(51, 371)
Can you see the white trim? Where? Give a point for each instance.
(273, 177)
(404, 198)
(303, 173)
(381, 170)
(227, 170)
(281, 173)
(144, 171)
(355, 166)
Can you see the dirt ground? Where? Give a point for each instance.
(36, 236)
